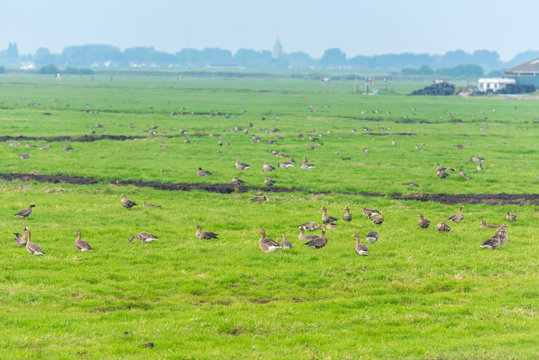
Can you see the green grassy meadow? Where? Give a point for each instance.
(419, 294)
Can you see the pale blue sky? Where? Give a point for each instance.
(357, 27)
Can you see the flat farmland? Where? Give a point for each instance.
(418, 294)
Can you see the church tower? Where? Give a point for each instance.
(277, 49)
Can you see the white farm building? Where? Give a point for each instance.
(493, 84)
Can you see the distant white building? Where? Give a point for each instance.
(27, 66)
(494, 84)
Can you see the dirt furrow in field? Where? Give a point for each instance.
(450, 199)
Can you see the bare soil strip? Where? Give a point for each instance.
(84, 138)
(449, 199)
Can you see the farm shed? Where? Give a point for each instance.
(493, 84)
(525, 74)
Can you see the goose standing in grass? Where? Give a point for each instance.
(126, 203)
(361, 249)
(269, 182)
(483, 225)
(32, 248)
(347, 216)
(267, 245)
(205, 234)
(25, 212)
(370, 212)
(378, 219)
(372, 236)
(495, 241)
(423, 223)
(310, 226)
(285, 244)
(443, 168)
(144, 237)
(242, 166)
(442, 227)
(456, 218)
(504, 237)
(479, 167)
(393, 142)
(82, 245)
(20, 240)
(303, 237)
(201, 172)
(237, 181)
(441, 174)
(462, 173)
(267, 166)
(511, 217)
(326, 219)
(318, 242)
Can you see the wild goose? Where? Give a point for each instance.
(319, 242)
(67, 148)
(237, 181)
(205, 234)
(495, 241)
(476, 159)
(286, 165)
(201, 172)
(82, 245)
(32, 248)
(511, 217)
(24, 156)
(25, 212)
(269, 182)
(267, 167)
(462, 173)
(302, 236)
(305, 160)
(393, 142)
(15, 143)
(441, 174)
(126, 203)
(423, 223)
(285, 244)
(311, 226)
(366, 150)
(483, 225)
(458, 216)
(443, 168)
(306, 166)
(92, 131)
(369, 212)
(20, 239)
(479, 167)
(144, 237)
(361, 249)
(378, 219)
(46, 147)
(186, 141)
(220, 142)
(242, 166)
(266, 244)
(292, 160)
(503, 234)
(442, 227)
(347, 216)
(326, 219)
(372, 237)
(151, 205)
(260, 198)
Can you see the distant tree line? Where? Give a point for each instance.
(412, 64)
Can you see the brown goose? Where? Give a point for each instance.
(366, 150)
(205, 234)
(361, 249)
(305, 161)
(511, 217)
(378, 219)
(306, 166)
(20, 240)
(144, 237)
(269, 182)
(476, 159)
(503, 234)
(186, 141)
(442, 227)
(370, 212)
(24, 156)
(443, 168)
(260, 198)
(347, 216)
(462, 173)
(266, 244)
(126, 203)
(494, 242)
(285, 244)
(32, 248)
(302, 236)
(267, 167)
(82, 245)
(423, 223)
(458, 216)
(286, 165)
(441, 174)
(326, 219)
(372, 236)
(242, 166)
(319, 242)
(237, 181)
(151, 205)
(25, 212)
(393, 142)
(311, 226)
(479, 167)
(483, 225)
(201, 172)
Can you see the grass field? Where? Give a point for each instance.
(418, 295)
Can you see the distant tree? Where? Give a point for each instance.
(253, 59)
(216, 57)
(333, 57)
(43, 56)
(49, 69)
(409, 71)
(77, 71)
(86, 55)
(189, 57)
(461, 71)
(12, 51)
(487, 59)
(454, 58)
(425, 70)
(2, 69)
